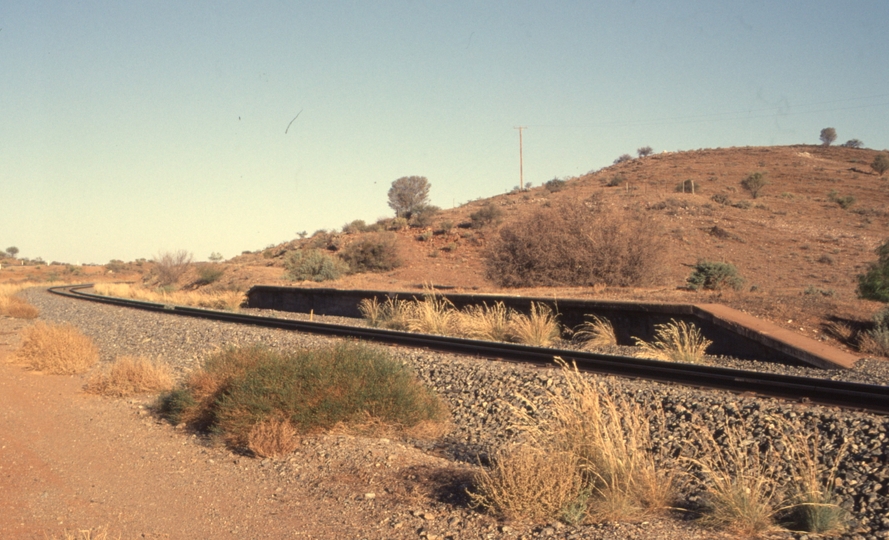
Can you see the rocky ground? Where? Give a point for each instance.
(344, 486)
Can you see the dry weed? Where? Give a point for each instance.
(540, 328)
(272, 438)
(128, 376)
(17, 308)
(740, 481)
(56, 349)
(485, 322)
(676, 341)
(874, 341)
(226, 300)
(591, 457)
(434, 315)
(597, 332)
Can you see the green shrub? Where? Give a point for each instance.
(486, 215)
(880, 164)
(754, 183)
(554, 185)
(874, 284)
(314, 265)
(314, 390)
(355, 226)
(571, 244)
(423, 216)
(376, 252)
(715, 276)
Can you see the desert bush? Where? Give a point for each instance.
(616, 180)
(131, 375)
(56, 349)
(540, 328)
(828, 135)
(350, 384)
(853, 143)
(170, 266)
(688, 186)
(874, 284)
(272, 438)
(571, 244)
(623, 158)
(408, 194)
(754, 183)
(355, 226)
(375, 252)
(423, 216)
(845, 201)
(554, 185)
(644, 151)
(486, 215)
(590, 459)
(676, 341)
(209, 273)
(714, 275)
(880, 164)
(875, 340)
(314, 265)
(596, 332)
(15, 307)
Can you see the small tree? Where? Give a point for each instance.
(754, 183)
(623, 158)
(12, 251)
(644, 151)
(828, 135)
(408, 194)
(853, 143)
(880, 165)
(215, 256)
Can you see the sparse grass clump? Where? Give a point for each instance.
(314, 265)
(596, 332)
(676, 341)
(590, 460)
(56, 349)
(313, 390)
(714, 275)
(876, 340)
(540, 328)
(131, 375)
(491, 323)
(13, 306)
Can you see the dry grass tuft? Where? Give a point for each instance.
(590, 460)
(739, 479)
(129, 376)
(486, 322)
(434, 315)
(676, 341)
(597, 332)
(272, 438)
(225, 300)
(56, 349)
(393, 314)
(540, 328)
(17, 308)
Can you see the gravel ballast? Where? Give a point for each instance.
(479, 392)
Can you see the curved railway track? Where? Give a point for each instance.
(865, 397)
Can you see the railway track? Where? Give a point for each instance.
(865, 397)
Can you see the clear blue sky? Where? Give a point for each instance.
(130, 128)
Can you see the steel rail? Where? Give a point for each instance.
(865, 397)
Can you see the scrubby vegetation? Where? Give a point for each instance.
(377, 252)
(714, 275)
(13, 306)
(577, 244)
(219, 299)
(56, 349)
(874, 284)
(170, 266)
(131, 375)
(239, 393)
(754, 183)
(676, 341)
(314, 265)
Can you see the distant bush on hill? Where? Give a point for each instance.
(373, 253)
(577, 244)
(715, 276)
(486, 215)
(314, 265)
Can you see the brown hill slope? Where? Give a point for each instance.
(800, 244)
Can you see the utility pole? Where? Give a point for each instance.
(521, 163)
